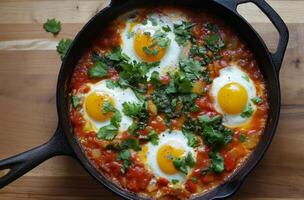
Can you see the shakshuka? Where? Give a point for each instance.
(168, 102)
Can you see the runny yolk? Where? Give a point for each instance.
(94, 104)
(232, 98)
(165, 155)
(141, 41)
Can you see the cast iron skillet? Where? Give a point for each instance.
(64, 143)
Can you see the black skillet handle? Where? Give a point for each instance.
(276, 20)
(22, 163)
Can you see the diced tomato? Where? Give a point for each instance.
(157, 123)
(229, 162)
(177, 123)
(137, 178)
(162, 182)
(76, 118)
(190, 186)
(207, 178)
(165, 79)
(205, 104)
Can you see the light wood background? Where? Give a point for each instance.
(29, 66)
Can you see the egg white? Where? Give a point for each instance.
(228, 75)
(173, 52)
(175, 139)
(119, 97)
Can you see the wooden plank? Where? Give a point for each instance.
(36, 11)
(69, 11)
(11, 32)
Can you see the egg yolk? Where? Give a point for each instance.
(165, 155)
(232, 98)
(155, 52)
(94, 104)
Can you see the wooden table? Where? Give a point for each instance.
(28, 75)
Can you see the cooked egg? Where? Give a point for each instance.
(94, 103)
(138, 43)
(232, 92)
(159, 158)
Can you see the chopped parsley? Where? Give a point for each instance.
(130, 143)
(63, 46)
(183, 164)
(247, 112)
(217, 162)
(132, 109)
(75, 100)
(111, 84)
(159, 39)
(107, 132)
(214, 42)
(52, 26)
(192, 141)
(166, 28)
(139, 113)
(99, 70)
(125, 157)
(183, 32)
(153, 136)
(191, 68)
(257, 100)
(108, 107)
(245, 77)
(242, 138)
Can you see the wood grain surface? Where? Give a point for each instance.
(29, 67)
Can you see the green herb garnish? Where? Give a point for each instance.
(183, 164)
(125, 157)
(183, 32)
(63, 46)
(257, 100)
(52, 26)
(247, 112)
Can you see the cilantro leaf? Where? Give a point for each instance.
(133, 128)
(245, 77)
(132, 109)
(184, 164)
(242, 138)
(192, 141)
(257, 100)
(99, 70)
(192, 68)
(63, 46)
(247, 112)
(130, 143)
(214, 42)
(183, 32)
(166, 28)
(75, 101)
(116, 119)
(108, 107)
(107, 132)
(216, 138)
(111, 84)
(52, 26)
(125, 157)
(155, 80)
(174, 181)
(217, 162)
(153, 136)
